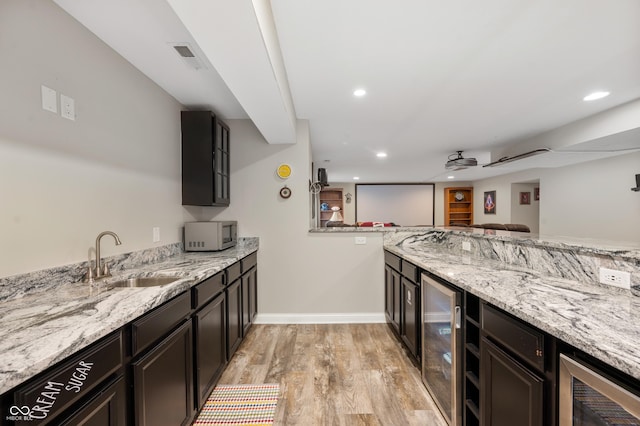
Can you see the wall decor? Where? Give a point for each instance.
(536, 194)
(490, 202)
(285, 192)
(284, 171)
(525, 198)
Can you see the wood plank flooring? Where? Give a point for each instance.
(334, 374)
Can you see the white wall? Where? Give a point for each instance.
(117, 167)
(592, 200)
(302, 277)
(589, 200)
(526, 214)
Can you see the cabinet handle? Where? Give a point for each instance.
(224, 279)
(458, 314)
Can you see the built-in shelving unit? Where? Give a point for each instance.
(458, 206)
(333, 198)
(472, 360)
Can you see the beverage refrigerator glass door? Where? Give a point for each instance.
(588, 398)
(442, 347)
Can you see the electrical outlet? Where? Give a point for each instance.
(68, 107)
(615, 278)
(466, 245)
(156, 234)
(361, 240)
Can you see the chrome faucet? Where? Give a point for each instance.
(101, 272)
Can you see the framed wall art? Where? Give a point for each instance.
(490, 202)
(525, 198)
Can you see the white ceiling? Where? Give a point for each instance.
(440, 76)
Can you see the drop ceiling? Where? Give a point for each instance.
(440, 76)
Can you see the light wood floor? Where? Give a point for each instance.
(337, 374)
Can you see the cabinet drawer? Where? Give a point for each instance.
(410, 271)
(159, 322)
(53, 392)
(207, 289)
(249, 262)
(392, 260)
(515, 335)
(233, 272)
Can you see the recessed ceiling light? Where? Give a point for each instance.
(450, 177)
(359, 92)
(595, 95)
(356, 178)
(381, 154)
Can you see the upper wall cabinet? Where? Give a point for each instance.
(205, 159)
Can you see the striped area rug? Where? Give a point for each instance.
(240, 405)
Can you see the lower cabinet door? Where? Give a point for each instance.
(253, 294)
(249, 299)
(211, 346)
(246, 303)
(510, 393)
(392, 297)
(107, 409)
(410, 325)
(163, 381)
(234, 317)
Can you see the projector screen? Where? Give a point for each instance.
(402, 204)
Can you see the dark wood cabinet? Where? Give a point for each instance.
(393, 292)
(511, 394)
(210, 346)
(205, 159)
(517, 371)
(156, 370)
(410, 323)
(234, 317)
(108, 408)
(402, 301)
(163, 381)
(410, 320)
(249, 299)
(72, 382)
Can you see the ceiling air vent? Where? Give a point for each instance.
(459, 162)
(186, 53)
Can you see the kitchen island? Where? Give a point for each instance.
(601, 320)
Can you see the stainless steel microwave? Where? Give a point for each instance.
(210, 236)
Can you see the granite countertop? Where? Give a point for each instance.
(603, 322)
(43, 327)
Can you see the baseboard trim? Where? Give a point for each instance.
(362, 318)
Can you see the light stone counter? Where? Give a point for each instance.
(43, 323)
(602, 321)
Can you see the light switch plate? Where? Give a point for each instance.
(49, 99)
(156, 234)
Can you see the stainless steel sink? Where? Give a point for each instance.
(143, 282)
